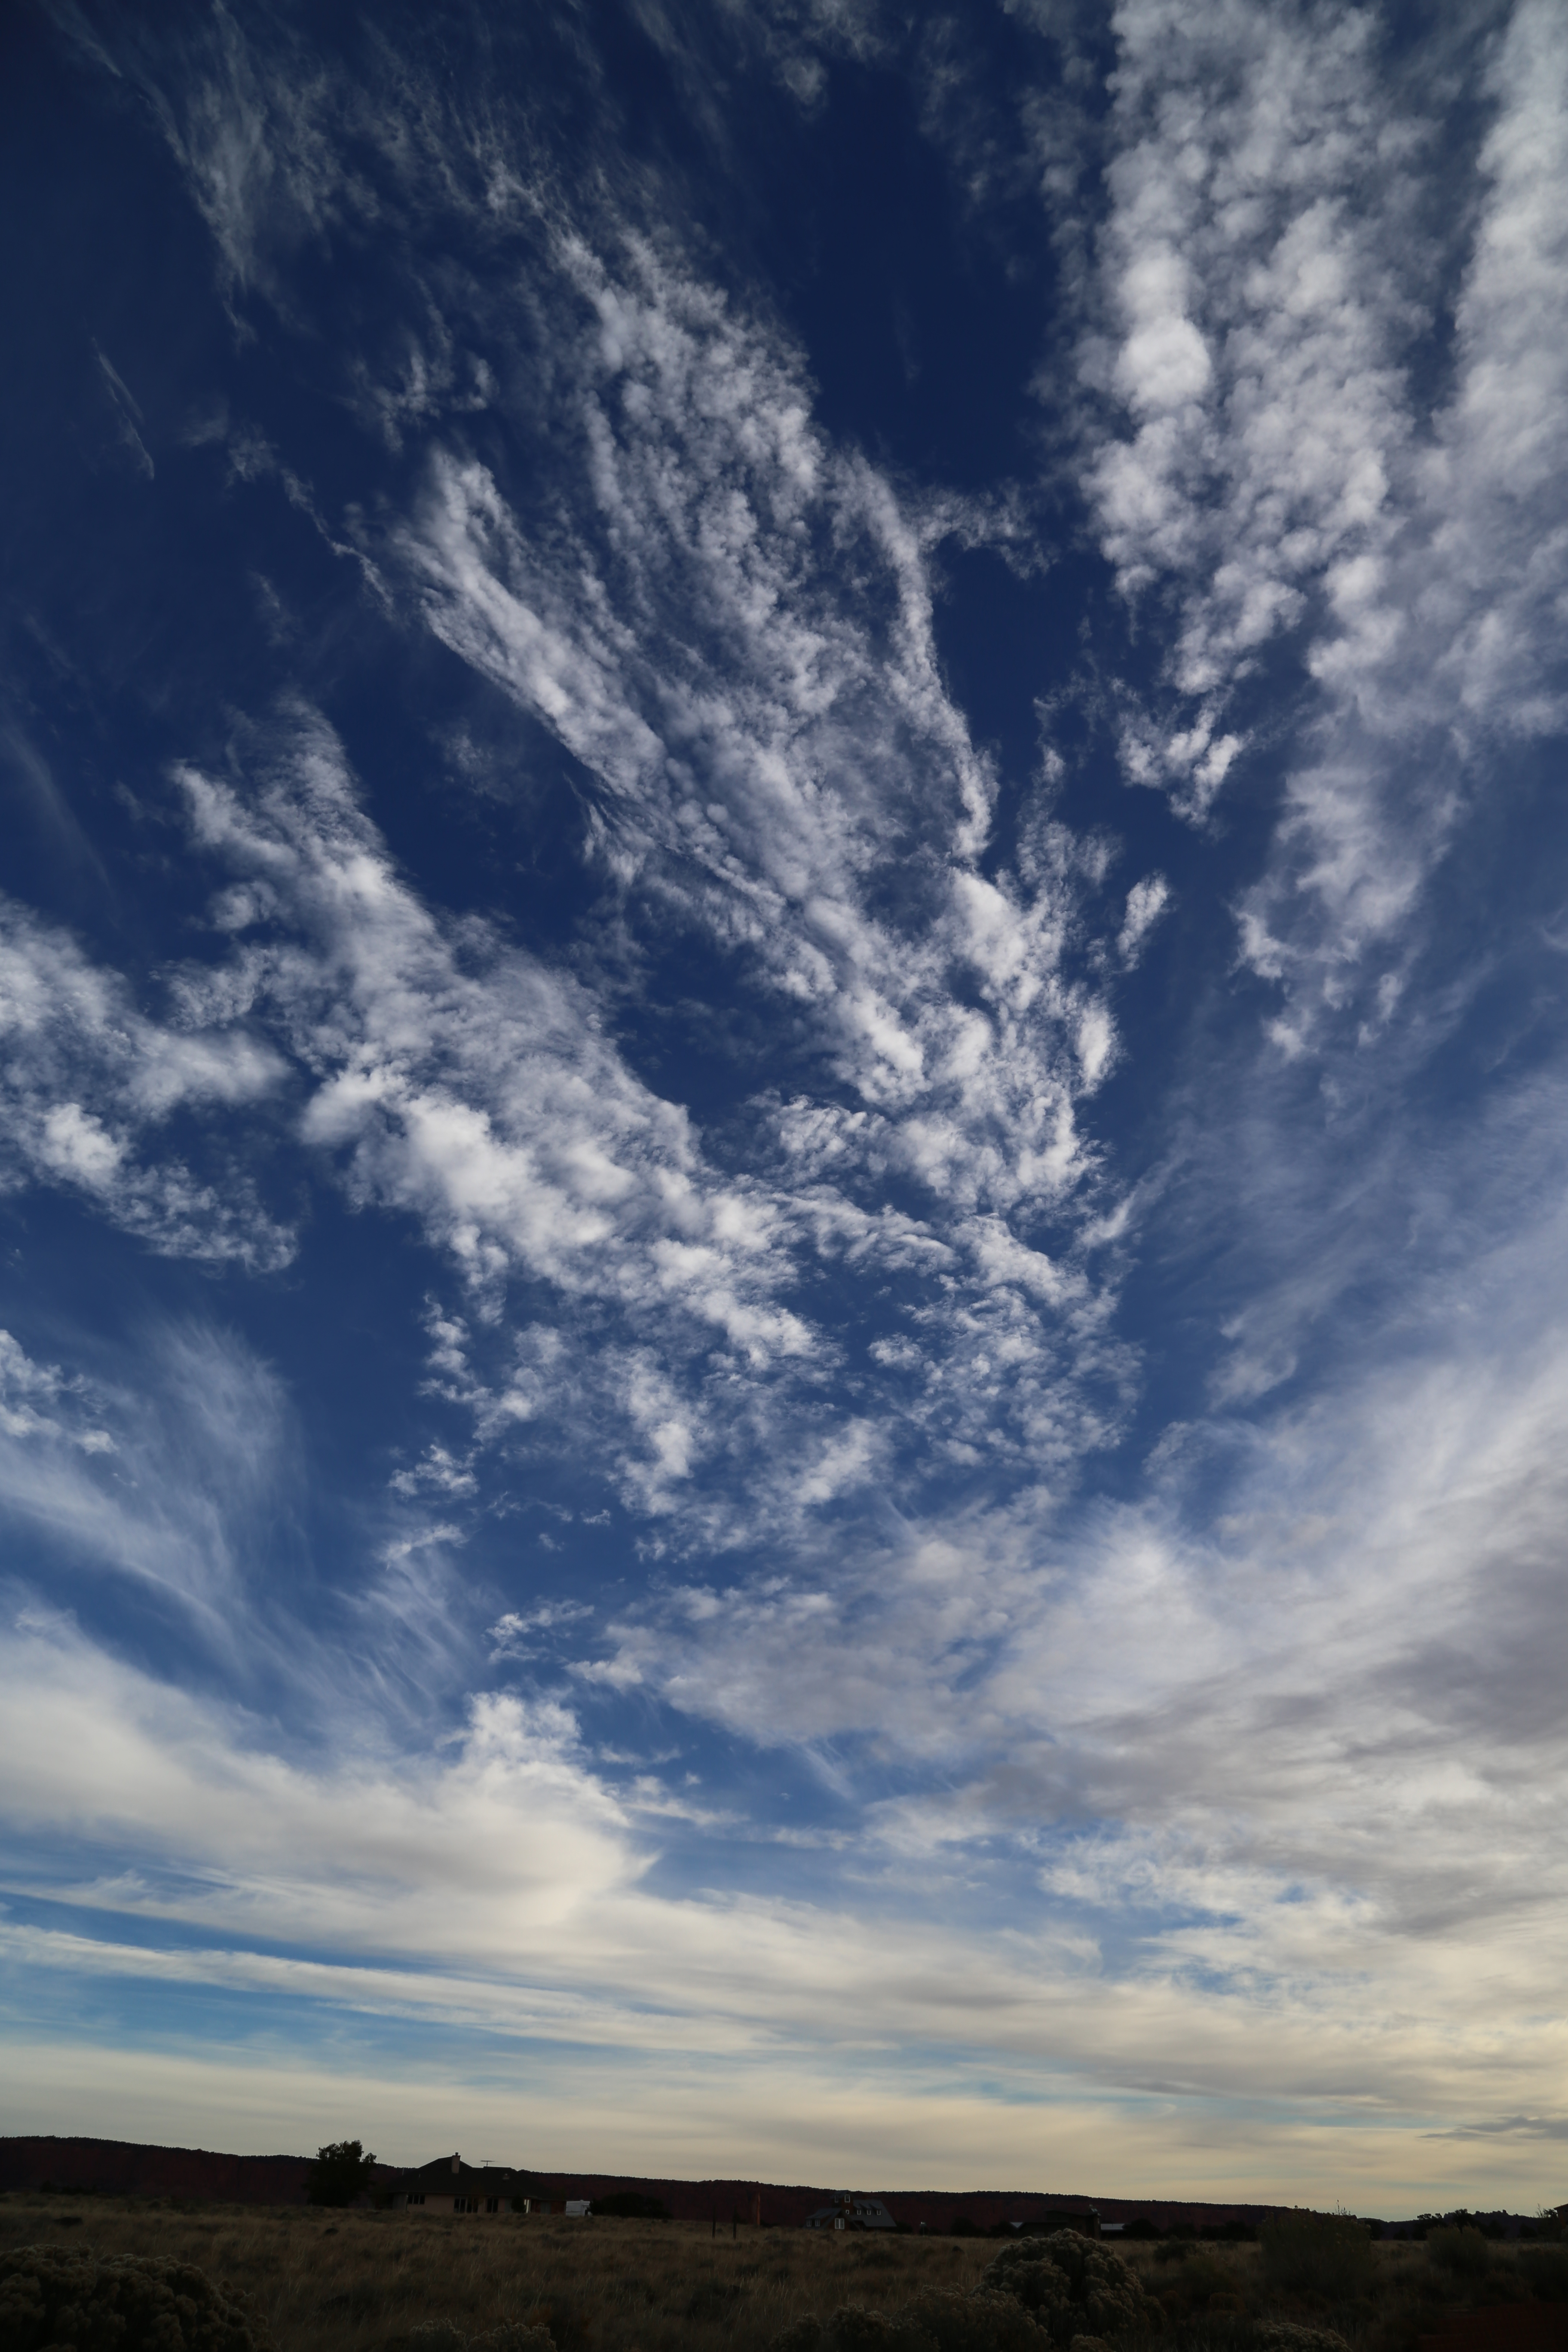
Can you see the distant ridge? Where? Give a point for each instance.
(128, 2168)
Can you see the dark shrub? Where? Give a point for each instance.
(1140, 2226)
(122, 2303)
(1073, 2287)
(853, 2329)
(631, 2205)
(1201, 2284)
(1229, 2334)
(1544, 2271)
(941, 2320)
(951, 2321)
(1464, 2253)
(445, 2335)
(1329, 2255)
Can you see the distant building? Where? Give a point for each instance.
(848, 2211)
(447, 2184)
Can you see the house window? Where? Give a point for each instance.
(492, 2204)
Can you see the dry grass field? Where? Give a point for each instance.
(355, 2282)
(362, 2282)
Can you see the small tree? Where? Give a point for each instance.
(341, 2170)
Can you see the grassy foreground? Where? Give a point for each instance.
(362, 2282)
(355, 2281)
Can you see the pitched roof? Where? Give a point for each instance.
(451, 2172)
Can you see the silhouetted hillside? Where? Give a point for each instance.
(126, 2167)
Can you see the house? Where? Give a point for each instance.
(848, 2211)
(447, 2184)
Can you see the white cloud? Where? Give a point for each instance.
(729, 624)
(443, 1074)
(1281, 212)
(1146, 902)
(728, 621)
(487, 1100)
(1057, 1710)
(1257, 307)
(31, 1399)
(1439, 657)
(1286, 1730)
(508, 1824)
(87, 1080)
(752, 2121)
(159, 1466)
(1098, 1784)
(511, 1635)
(437, 1468)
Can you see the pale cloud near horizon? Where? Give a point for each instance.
(822, 2128)
(1122, 1695)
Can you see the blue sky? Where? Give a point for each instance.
(785, 1382)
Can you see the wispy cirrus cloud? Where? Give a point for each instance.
(494, 1106)
(1259, 267)
(758, 1516)
(1304, 1742)
(729, 623)
(728, 620)
(1272, 284)
(159, 1470)
(91, 1082)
